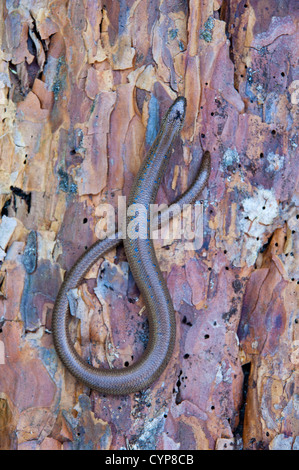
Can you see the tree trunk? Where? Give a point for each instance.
(84, 85)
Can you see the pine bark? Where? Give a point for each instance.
(83, 88)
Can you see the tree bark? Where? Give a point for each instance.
(84, 85)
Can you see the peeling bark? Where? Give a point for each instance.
(83, 87)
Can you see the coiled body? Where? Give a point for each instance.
(145, 269)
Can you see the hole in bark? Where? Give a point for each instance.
(246, 371)
(178, 398)
(25, 196)
(186, 322)
(4, 210)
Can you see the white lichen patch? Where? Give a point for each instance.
(275, 162)
(152, 427)
(230, 157)
(259, 210)
(259, 213)
(294, 91)
(224, 373)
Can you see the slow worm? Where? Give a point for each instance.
(143, 263)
